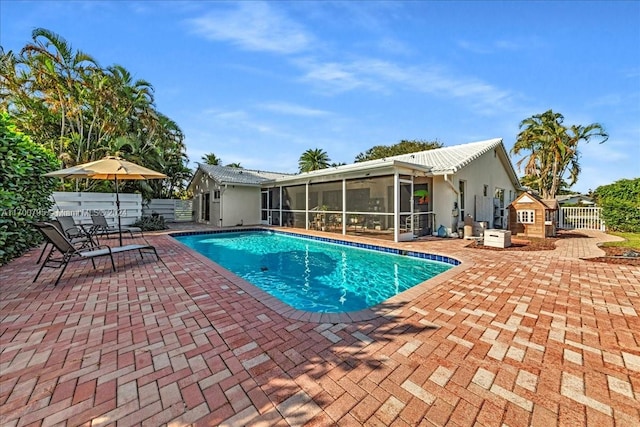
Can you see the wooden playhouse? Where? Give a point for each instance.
(531, 216)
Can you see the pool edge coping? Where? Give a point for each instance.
(366, 314)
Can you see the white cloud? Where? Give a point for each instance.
(255, 26)
(498, 46)
(384, 76)
(610, 100)
(612, 151)
(292, 109)
(332, 76)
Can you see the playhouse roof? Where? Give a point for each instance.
(551, 204)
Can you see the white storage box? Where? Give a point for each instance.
(497, 238)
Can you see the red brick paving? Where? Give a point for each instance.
(508, 338)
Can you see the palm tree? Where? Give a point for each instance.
(313, 159)
(553, 150)
(64, 100)
(56, 73)
(234, 165)
(211, 159)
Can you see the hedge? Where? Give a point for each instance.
(25, 196)
(620, 204)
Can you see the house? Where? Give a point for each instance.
(398, 197)
(531, 216)
(224, 196)
(575, 200)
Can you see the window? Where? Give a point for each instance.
(485, 193)
(526, 216)
(216, 194)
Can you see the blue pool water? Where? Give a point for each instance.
(311, 275)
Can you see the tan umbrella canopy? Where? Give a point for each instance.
(111, 168)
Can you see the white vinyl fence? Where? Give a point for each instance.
(581, 218)
(171, 209)
(80, 205)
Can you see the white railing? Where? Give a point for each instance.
(580, 218)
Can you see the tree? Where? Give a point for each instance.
(234, 165)
(211, 159)
(65, 101)
(552, 150)
(402, 147)
(313, 159)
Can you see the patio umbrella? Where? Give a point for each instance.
(111, 168)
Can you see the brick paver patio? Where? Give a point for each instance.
(506, 339)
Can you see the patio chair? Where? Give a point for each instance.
(79, 241)
(101, 227)
(72, 230)
(69, 252)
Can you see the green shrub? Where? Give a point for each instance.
(25, 196)
(621, 215)
(620, 204)
(151, 223)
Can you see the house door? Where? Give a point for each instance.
(206, 207)
(265, 218)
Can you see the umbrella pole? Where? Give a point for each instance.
(118, 212)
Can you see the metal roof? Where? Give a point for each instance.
(439, 161)
(239, 176)
(450, 159)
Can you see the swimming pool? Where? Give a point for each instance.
(316, 275)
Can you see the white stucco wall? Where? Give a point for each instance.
(200, 185)
(240, 204)
(487, 169)
(443, 198)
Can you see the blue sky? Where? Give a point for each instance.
(261, 82)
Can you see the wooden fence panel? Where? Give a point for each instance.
(171, 209)
(80, 205)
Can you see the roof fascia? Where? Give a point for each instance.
(353, 171)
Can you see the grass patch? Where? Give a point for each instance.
(632, 240)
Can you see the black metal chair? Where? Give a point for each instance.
(72, 230)
(80, 240)
(101, 227)
(69, 252)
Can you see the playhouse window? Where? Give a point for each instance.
(526, 217)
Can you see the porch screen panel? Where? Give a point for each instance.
(295, 195)
(370, 195)
(329, 196)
